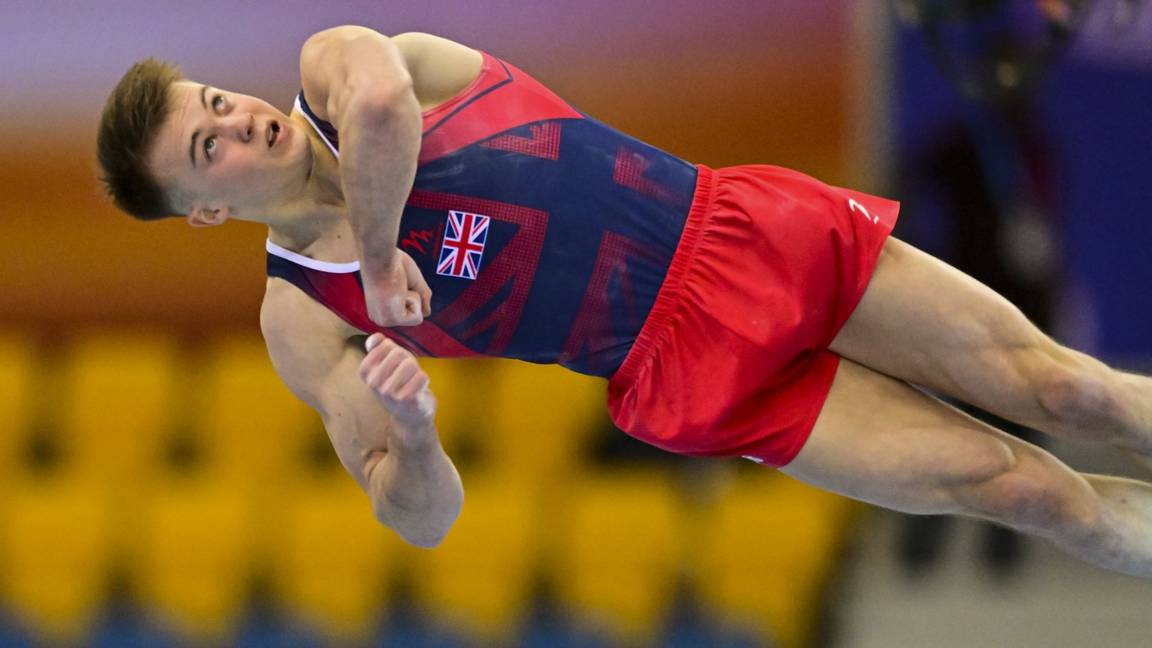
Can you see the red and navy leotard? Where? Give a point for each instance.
(545, 235)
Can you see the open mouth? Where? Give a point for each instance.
(273, 133)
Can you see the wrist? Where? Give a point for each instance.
(415, 439)
(377, 261)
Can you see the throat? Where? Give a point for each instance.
(316, 225)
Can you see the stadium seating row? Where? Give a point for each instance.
(123, 407)
(190, 530)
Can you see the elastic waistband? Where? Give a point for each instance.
(667, 297)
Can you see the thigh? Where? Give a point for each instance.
(923, 321)
(882, 441)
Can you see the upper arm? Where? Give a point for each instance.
(318, 356)
(342, 66)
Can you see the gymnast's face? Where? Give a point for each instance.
(227, 155)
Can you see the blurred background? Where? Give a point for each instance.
(158, 487)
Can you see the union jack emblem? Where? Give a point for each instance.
(463, 246)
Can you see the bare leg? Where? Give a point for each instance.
(925, 322)
(881, 441)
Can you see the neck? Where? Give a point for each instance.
(318, 211)
(309, 230)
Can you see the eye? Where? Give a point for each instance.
(218, 103)
(209, 146)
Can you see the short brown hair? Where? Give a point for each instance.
(132, 117)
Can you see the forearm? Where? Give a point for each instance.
(416, 491)
(380, 140)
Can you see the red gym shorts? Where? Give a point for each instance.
(733, 359)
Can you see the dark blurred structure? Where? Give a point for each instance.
(988, 176)
(1091, 99)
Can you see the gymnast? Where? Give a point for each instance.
(424, 198)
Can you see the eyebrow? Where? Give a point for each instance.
(196, 133)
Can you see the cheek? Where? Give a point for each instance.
(241, 162)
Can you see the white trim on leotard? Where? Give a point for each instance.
(300, 259)
(319, 132)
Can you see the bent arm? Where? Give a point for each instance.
(396, 459)
(359, 81)
(413, 485)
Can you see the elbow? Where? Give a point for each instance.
(373, 99)
(427, 529)
(423, 536)
(430, 541)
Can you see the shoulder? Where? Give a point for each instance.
(437, 67)
(415, 47)
(440, 68)
(323, 45)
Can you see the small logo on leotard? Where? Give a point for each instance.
(416, 240)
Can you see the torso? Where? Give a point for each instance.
(579, 225)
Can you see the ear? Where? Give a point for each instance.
(200, 216)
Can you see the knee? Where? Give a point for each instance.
(1073, 395)
(1033, 496)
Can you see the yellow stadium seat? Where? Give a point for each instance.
(55, 556)
(618, 560)
(479, 581)
(331, 559)
(250, 427)
(772, 544)
(541, 419)
(461, 393)
(118, 405)
(18, 375)
(191, 564)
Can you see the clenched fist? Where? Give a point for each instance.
(399, 384)
(400, 297)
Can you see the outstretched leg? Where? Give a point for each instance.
(882, 441)
(925, 322)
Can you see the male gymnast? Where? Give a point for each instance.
(442, 202)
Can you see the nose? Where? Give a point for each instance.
(242, 126)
